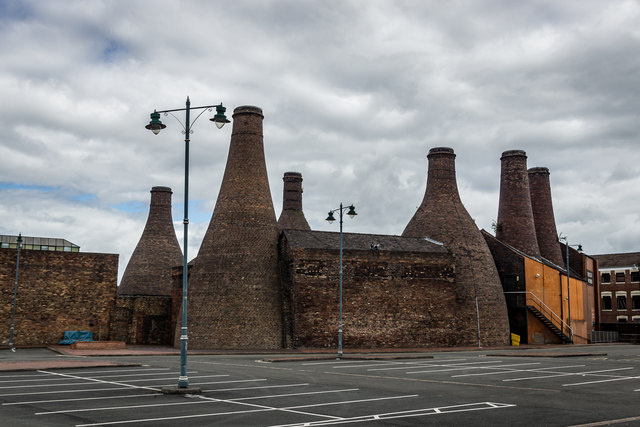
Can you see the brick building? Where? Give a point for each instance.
(58, 290)
(544, 305)
(258, 283)
(397, 291)
(619, 296)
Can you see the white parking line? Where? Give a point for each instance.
(119, 408)
(366, 365)
(14, 386)
(333, 362)
(601, 381)
(255, 388)
(455, 367)
(84, 390)
(47, 378)
(510, 371)
(32, 402)
(409, 365)
(405, 414)
(261, 408)
(148, 394)
(565, 374)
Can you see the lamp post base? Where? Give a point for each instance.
(181, 390)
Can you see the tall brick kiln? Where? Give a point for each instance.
(149, 269)
(542, 207)
(515, 225)
(234, 287)
(292, 216)
(443, 217)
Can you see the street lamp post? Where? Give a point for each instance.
(155, 126)
(15, 294)
(330, 219)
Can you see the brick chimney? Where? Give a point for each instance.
(545, 222)
(149, 269)
(515, 225)
(443, 217)
(292, 216)
(234, 287)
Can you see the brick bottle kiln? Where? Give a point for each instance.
(442, 216)
(234, 287)
(149, 269)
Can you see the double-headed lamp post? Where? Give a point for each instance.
(579, 247)
(15, 294)
(330, 219)
(155, 126)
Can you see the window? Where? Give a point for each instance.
(635, 319)
(620, 277)
(635, 300)
(635, 276)
(606, 277)
(606, 301)
(621, 298)
(622, 319)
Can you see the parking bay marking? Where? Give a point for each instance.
(148, 394)
(112, 408)
(510, 371)
(566, 374)
(405, 414)
(260, 408)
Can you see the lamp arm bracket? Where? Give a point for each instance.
(184, 129)
(198, 116)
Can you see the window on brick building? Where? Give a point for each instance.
(622, 319)
(621, 299)
(620, 277)
(635, 319)
(635, 276)
(606, 277)
(606, 301)
(635, 300)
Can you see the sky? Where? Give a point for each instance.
(354, 95)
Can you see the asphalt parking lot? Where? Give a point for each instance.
(588, 386)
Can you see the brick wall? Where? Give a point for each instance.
(142, 320)
(390, 299)
(57, 291)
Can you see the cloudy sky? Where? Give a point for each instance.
(354, 95)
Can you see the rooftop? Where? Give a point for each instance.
(356, 241)
(39, 243)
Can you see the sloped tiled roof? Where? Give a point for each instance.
(627, 259)
(356, 241)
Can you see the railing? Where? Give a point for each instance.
(533, 300)
(604, 336)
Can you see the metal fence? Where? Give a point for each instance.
(604, 336)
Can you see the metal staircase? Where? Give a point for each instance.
(549, 324)
(549, 319)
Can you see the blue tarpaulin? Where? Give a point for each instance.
(72, 336)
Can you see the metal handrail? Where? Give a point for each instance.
(545, 309)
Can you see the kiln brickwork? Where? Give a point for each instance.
(542, 208)
(149, 269)
(443, 217)
(57, 291)
(142, 320)
(292, 216)
(398, 295)
(234, 290)
(515, 225)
